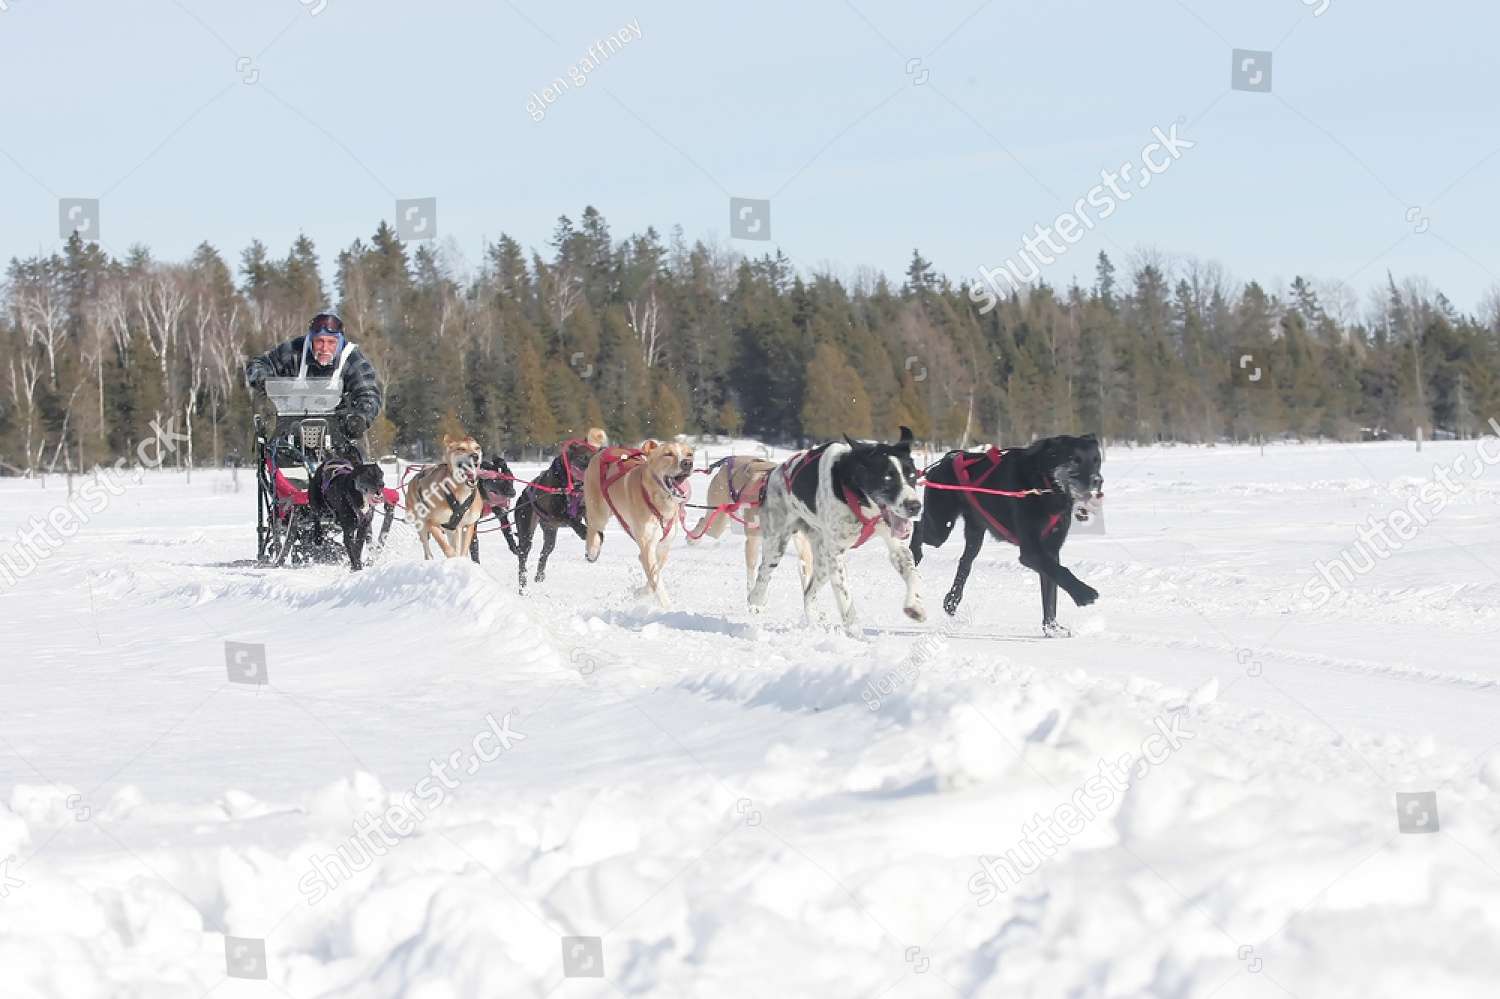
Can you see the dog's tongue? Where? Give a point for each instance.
(900, 526)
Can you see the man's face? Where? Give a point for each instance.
(323, 347)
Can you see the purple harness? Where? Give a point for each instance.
(335, 467)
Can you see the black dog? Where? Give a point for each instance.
(1064, 471)
(349, 491)
(553, 500)
(840, 495)
(497, 487)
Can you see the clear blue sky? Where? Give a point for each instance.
(1377, 107)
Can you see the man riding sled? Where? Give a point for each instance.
(323, 353)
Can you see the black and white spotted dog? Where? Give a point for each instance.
(840, 495)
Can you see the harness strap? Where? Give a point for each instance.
(867, 525)
(606, 482)
(971, 487)
(459, 509)
(795, 464)
(621, 462)
(665, 525)
(961, 465)
(335, 467)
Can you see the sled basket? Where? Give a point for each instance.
(303, 396)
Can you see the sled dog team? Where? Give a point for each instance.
(826, 501)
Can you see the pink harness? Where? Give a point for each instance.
(628, 459)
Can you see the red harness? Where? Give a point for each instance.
(621, 462)
(971, 486)
(867, 525)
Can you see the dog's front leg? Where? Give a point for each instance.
(594, 532)
(444, 542)
(1045, 562)
(839, 576)
(653, 560)
(526, 523)
(549, 542)
(505, 529)
(355, 535)
(823, 569)
(663, 549)
(906, 565)
(973, 541)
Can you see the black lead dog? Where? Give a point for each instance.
(1063, 471)
(348, 490)
(497, 487)
(554, 499)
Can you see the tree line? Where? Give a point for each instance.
(648, 336)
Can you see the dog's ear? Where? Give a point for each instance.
(649, 444)
(448, 442)
(907, 438)
(850, 441)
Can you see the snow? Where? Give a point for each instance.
(1195, 796)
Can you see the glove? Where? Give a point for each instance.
(355, 424)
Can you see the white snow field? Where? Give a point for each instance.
(444, 782)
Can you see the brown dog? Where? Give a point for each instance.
(736, 487)
(643, 488)
(443, 499)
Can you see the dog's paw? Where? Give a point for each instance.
(916, 612)
(1085, 595)
(1051, 629)
(950, 605)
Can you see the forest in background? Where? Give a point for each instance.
(653, 337)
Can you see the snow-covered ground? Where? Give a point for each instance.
(444, 781)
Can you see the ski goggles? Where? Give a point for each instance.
(331, 325)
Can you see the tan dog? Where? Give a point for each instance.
(643, 489)
(443, 499)
(597, 438)
(737, 487)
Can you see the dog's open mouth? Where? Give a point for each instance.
(900, 526)
(677, 484)
(1085, 507)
